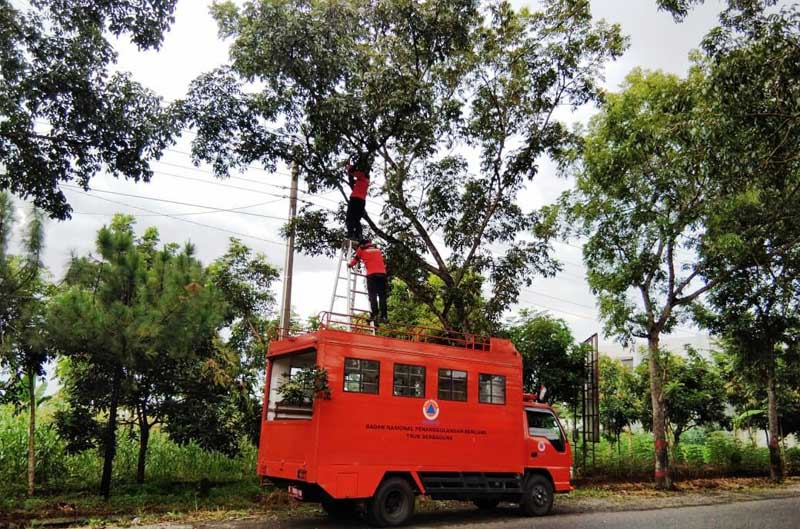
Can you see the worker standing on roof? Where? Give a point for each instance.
(358, 198)
(376, 278)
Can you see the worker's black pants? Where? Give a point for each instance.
(376, 288)
(355, 210)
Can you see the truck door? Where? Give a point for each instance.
(545, 442)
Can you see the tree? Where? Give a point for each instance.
(396, 86)
(753, 69)
(24, 349)
(694, 394)
(643, 190)
(550, 356)
(245, 280)
(65, 115)
(746, 389)
(620, 405)
(680, 8)
(757, 311)
(133, 323)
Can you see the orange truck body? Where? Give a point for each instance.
(348, 442)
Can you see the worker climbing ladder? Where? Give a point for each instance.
(349, 290)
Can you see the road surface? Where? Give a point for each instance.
(782, 513)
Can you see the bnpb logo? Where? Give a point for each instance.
(430, 410)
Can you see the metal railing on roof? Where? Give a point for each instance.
(402, 331)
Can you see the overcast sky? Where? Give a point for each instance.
(192, 47)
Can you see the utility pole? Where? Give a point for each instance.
(286, 304)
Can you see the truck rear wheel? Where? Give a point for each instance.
(339, 509)
(392, 504)
(537, 496)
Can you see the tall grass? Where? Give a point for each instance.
(699, 455)
(167, 462)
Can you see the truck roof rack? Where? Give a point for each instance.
(402, 331)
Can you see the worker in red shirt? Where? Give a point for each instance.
(358, 200)
(376, 278)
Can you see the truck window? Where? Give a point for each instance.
(492, 389)
(409, 381)
(282, 369)
(542, 423)
(361, 376)
(452, 385)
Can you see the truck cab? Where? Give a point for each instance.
(405, 413)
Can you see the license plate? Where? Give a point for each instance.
(294, 492)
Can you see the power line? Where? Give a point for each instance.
(187, 220)
(558, 299)
(240, 188)
(232, 210)
(221, 210)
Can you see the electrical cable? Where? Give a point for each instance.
(212, 208)
(187, 220)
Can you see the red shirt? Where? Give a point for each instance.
(372, 257)
(360, 186)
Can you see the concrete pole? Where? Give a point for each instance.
(286, 303)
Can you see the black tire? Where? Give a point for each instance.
(340, 509)
(392, 504)
(486, 504)
(537, 496)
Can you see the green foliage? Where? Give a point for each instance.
(66, 116)
(694, 393)
(244, 281)
(396, 86)
(703, 455)
(746, 388)
(139, 329)
(59, 470)
(550, 356)
(638, 208)
(302, 387)
(620, 405)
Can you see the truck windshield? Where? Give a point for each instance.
(542, 423)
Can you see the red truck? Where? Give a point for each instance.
(405, 416)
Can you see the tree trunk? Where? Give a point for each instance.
(31, 433)
(662, 475)
(144, 438)
(775, 463)
(110, 440)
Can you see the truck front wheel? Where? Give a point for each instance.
(537, 496)
(392, 504)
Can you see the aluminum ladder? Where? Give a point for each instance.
(348, 291)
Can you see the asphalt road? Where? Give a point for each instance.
(783, 513)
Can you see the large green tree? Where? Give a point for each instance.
(643, 190)
(398, 86)
(134, 322)
(66, 116)
(753, 64)
(24, 348)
